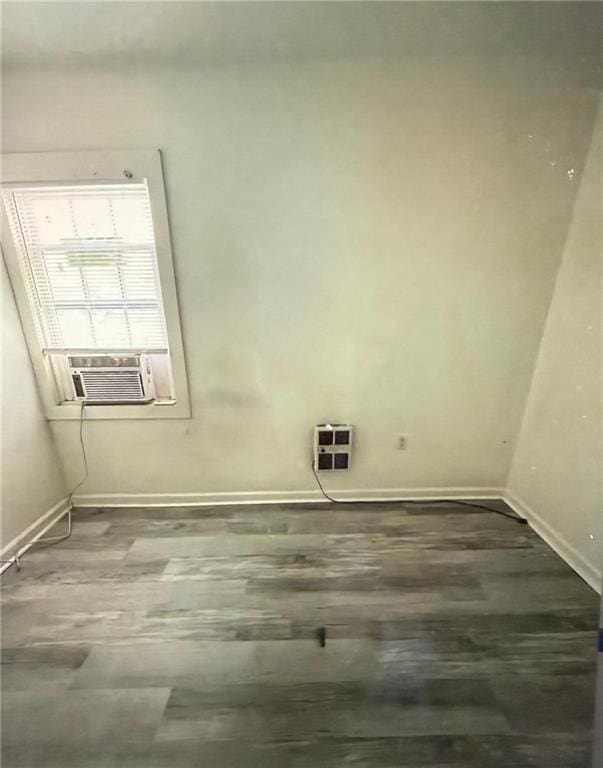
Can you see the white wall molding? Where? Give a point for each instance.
(280, 497)
(21, 543)
(588, 571)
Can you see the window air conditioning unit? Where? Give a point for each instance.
(333, 446)
(111, 379)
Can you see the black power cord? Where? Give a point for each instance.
(64, 537)
(16, 559)
(520, 520)
(84, 455)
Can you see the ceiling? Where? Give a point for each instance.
(57, 33)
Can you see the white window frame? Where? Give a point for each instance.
(99, 166)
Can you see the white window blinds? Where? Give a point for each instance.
(90, 266)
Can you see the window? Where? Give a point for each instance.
(88, 257)
(86, 254)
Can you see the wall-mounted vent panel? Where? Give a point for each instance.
(333, 446)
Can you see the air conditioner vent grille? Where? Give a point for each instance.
(116, 386)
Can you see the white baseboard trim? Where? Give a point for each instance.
(21, 543)
(280, 497)
(586, 570)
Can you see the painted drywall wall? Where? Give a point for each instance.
(32, 476)
(556, 474)
(372, 241)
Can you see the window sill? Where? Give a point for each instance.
(165, 409)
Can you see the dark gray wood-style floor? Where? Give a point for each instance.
(173, 638)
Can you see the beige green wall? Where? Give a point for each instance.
(32, 479)
(373, 241)
(557, 472)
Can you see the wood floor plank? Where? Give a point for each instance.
(175, 638)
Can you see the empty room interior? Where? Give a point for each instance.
(301, 384)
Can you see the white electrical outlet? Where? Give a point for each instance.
(402, 442)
